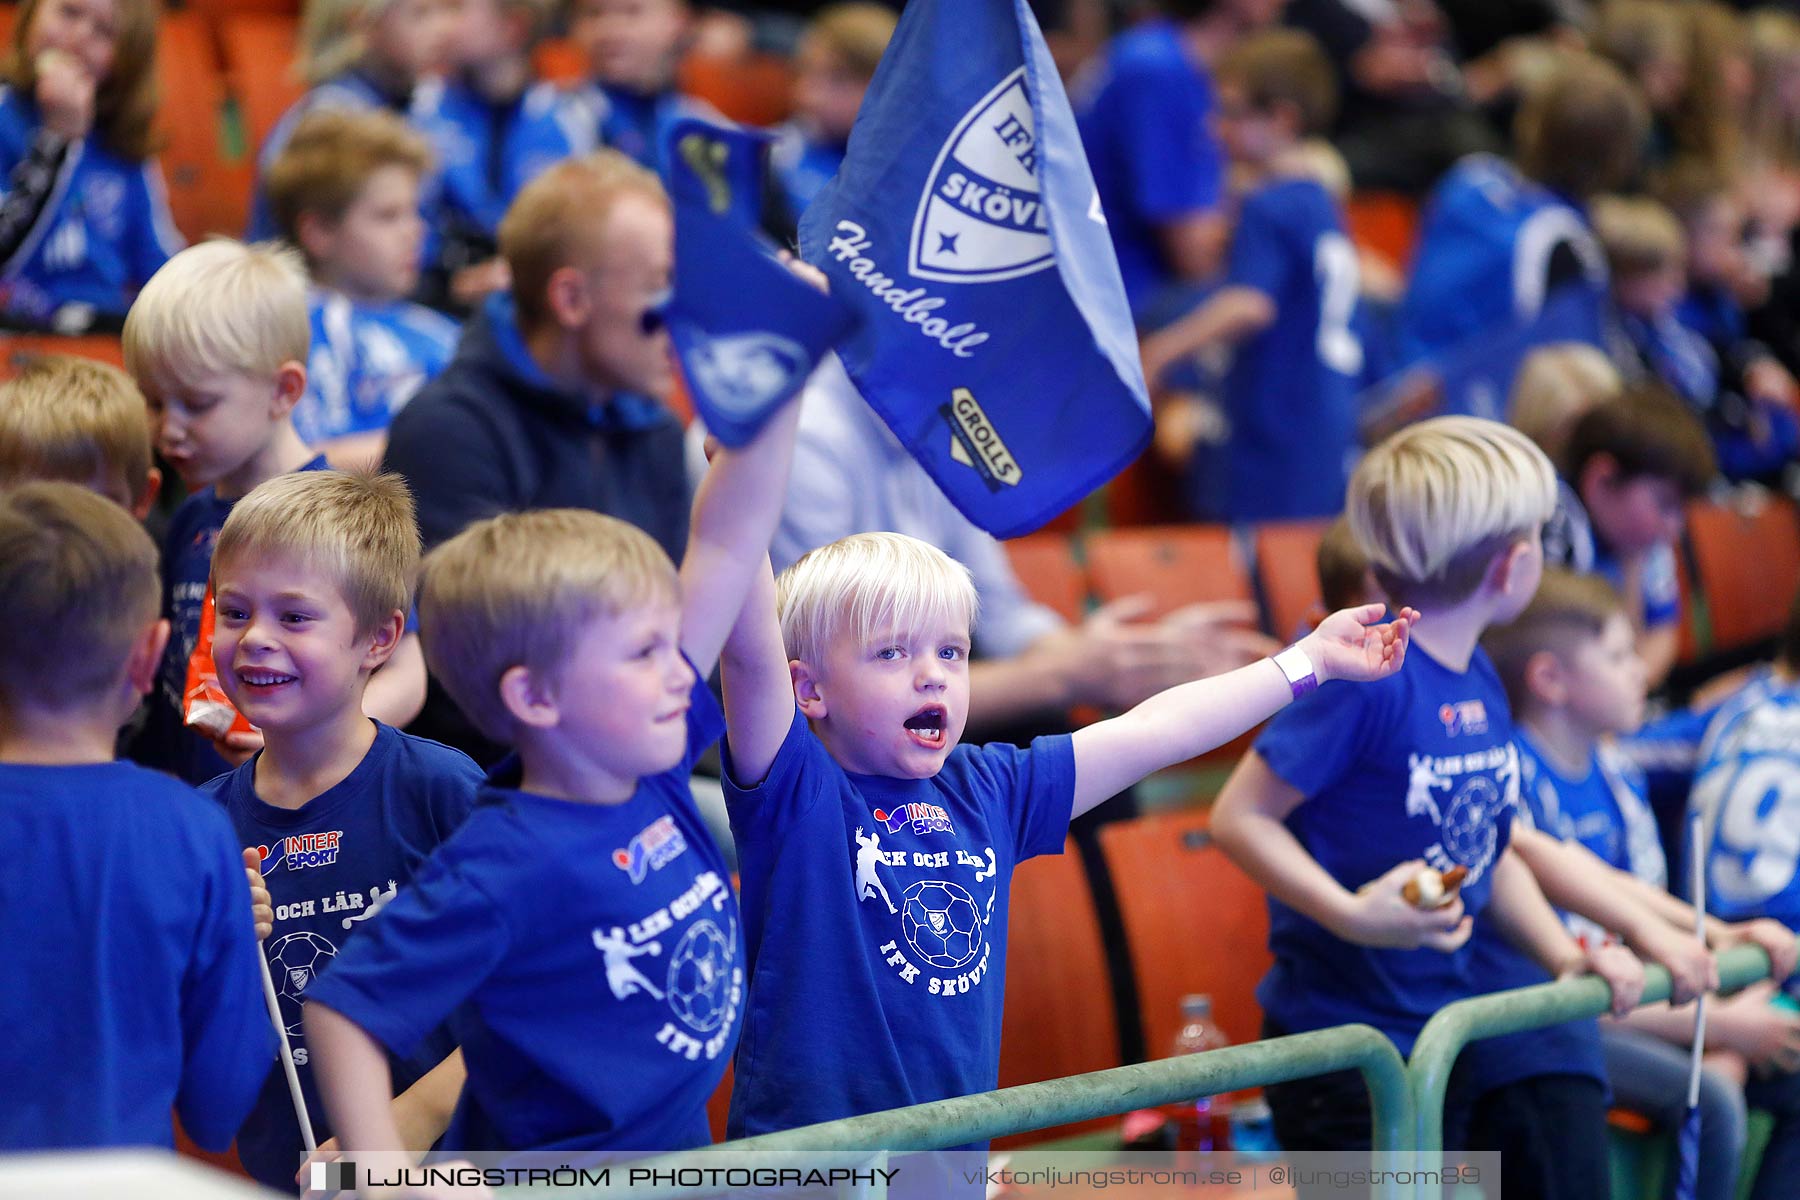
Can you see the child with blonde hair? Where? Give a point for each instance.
(85, 219)
(833, 65)
(312, 577)
(218, 343)
(1554, 386)
(877, 853)
(81, 422)
(1351, 794)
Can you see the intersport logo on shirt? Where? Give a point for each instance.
(655, 846)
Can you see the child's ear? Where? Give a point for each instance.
(1510, 564)
(528, 700)
(141, 506)
(290, 385)
(806, 690)
(313, 234)
(385, 640)
(1546, 681)
(566, 296)
(1600, 471)
(145, 656)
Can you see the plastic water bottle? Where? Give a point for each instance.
(1202, 1124)
(1253, 1128)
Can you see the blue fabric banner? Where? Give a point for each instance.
(748, 331)
(965, 230)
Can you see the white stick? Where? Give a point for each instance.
(1697, 852)
(287, 1054)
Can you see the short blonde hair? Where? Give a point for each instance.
(75, 420)
(1434, 503)
(1581, 129)
(517, 590)
(358, 528)
(78, 586)
(855, 33)
(557, 220)
(869, 583)
(219, 308)
(1638, 234)
(328, 162)
(333, 37)
(1554, 387)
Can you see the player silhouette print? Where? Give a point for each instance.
(623, 978)
(867, 859)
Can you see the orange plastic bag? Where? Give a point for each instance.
(204, 705)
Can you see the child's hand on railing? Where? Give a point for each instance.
(1621, 970)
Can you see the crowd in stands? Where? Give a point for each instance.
(445, 572)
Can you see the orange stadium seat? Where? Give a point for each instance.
(1194, 923)
(1175, 565)
(1287, 564)
(207, 192)
(17, 349)
(1747, 566)
(259, 50)
(1045, 564)
(756, 89)
(558, 60)
(1058, 1017)
(1384, 222)
(9, 14)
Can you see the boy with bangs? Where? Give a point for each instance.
(132, 985)
(345, 193)
(1347, 796)
(579, 931)
(218, 341)
(81, 422)
(312, 577)
(876, 852)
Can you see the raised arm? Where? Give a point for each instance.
(759, 692)
(735, 512)
(1192, 718)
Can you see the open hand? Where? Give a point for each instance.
(1380, 915)
(1349, 645)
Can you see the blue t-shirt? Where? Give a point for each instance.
(105, 230)
(589, 117)
(1290, 395)
(1145, 119)
(367, 361)
(330, 865)
(1418, 765)
(131, 982)
(1748, 788)
(1605, 811)
(481, 155)
(166, 742)
(1492, 246)
(877, 983)
(588, 957)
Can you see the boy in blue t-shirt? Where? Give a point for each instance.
(1499, 238)
(579, 931)
(1289, 296)
(218, 341)
(877, 853)
(345, 192)
(312, 578)
(132, 986)
(1575, 679)
(1349, 794)
(1632, 463)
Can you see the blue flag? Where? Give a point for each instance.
(965, 230)
(748, 331)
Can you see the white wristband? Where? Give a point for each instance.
(1302, 677)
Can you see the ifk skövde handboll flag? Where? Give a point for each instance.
(965, 230)
(747, 330)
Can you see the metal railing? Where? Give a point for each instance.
(1456, 1025)
(961, 1120)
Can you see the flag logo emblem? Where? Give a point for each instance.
(981, 218)
(742, 373)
